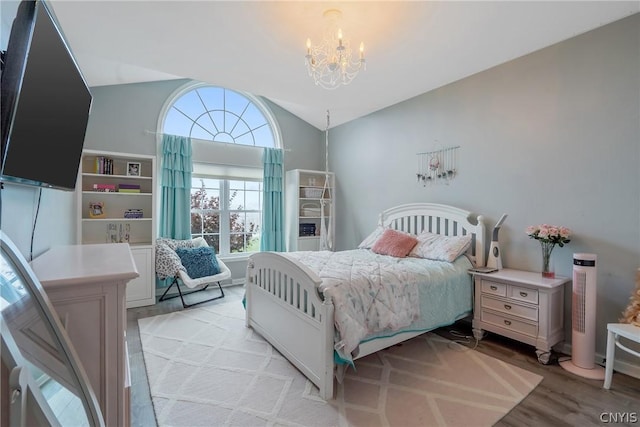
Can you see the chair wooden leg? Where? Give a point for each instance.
(182, 294)
(611, 348)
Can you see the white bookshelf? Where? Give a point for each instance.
(305, 190)
(112, 226)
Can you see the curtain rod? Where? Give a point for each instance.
(150, 132)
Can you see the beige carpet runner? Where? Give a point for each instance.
(206, 368)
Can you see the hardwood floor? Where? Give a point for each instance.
(561, 399)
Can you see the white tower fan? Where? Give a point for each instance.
(583, 324)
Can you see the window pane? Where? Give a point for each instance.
(253, 200)
(212, 97)
(236, 200)
(235, 102)
(176, 123)
(264, 137)
(246, 139)
(196, 223)
(211, 222)
(237, 222)
(213, 240)
(205, 193)
(203, 129)
(254, 117)
(206, 182)
(253, 224)
(253, 185)
(237, 242)
(189, 104)
(253, 243)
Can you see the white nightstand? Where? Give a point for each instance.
(521, 305)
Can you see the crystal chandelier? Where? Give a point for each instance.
(332, 63)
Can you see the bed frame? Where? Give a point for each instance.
(283, 305)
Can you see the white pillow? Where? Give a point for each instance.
(371, 239)
(439, 247)
(199, 242)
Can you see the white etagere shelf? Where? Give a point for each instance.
(110, 225)
(306, 190)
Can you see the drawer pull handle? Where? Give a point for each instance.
(507, 306)
(523, 294)
(507, 322)
(494, 288)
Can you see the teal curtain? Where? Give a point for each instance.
(272, 238)
(175, 196)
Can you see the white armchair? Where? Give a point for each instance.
(191, 262)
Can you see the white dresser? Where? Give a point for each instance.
(87, 286)
(521, 305)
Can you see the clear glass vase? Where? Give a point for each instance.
(547, 265)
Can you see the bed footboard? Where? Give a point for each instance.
(283, 305)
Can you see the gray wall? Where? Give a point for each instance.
(550, 137)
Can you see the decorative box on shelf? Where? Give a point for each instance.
(133, 213)
(310, 210)
(311, 192)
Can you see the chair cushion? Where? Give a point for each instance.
(199, 262)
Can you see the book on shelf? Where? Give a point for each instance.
(104, 187)
(129, 186)
(104, 165)
(128, 190)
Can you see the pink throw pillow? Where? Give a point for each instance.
(394, 243)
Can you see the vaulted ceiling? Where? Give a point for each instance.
(411, 46)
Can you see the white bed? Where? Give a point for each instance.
(284, 306)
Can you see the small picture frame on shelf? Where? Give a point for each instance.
(96, 210)
(133, 168)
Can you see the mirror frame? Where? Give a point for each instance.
(52, 322)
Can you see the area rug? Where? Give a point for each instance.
(206, 368)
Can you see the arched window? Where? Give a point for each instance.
(228, 131)
(217, 114)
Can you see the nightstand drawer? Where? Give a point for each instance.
(523, 294)
(510, 307)
(494, 288)
(509, 323)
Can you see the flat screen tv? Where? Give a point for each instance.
(45, 103)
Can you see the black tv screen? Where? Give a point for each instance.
(45, 103)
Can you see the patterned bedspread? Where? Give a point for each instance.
(377, 295)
